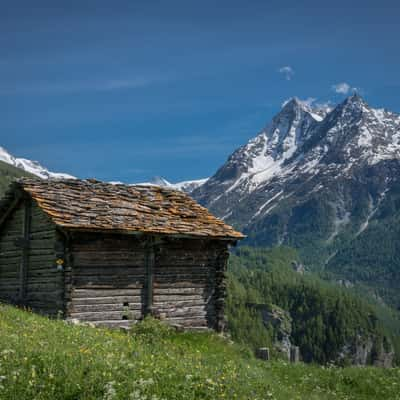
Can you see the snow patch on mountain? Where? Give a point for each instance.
(184, 186)
(32, 167)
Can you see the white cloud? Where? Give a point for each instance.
(287, 71)
(342, 88)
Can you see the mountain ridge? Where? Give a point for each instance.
(32, 167)
(319, 184)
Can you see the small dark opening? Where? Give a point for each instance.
(124, 317)
(126, 304)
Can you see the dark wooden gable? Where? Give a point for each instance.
(28, 270)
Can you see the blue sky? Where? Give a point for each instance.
(126, 90)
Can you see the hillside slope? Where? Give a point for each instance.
(268, 301)
(43, 359)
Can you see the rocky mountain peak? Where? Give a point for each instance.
(297, 150)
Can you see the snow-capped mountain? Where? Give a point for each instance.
(300, 143)
(319, 181)
(184, 186)
(32, 167)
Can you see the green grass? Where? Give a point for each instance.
(47, 359)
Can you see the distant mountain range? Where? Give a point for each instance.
(184, 186)
(326, 182)
(33, 167)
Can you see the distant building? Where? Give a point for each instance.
(111, 254)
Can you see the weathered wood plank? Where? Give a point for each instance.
(50, 296)
(107, 300)
(179, 303)
(173, 298)
(91, 293)
(108, 271)
(178, 286)
(105, 307)
(105, 315)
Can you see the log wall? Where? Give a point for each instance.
(108, 279)
(11, 256)
(118, 279)
(44, 281)
(28, 273)
(185, 278)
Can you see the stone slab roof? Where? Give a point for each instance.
(99, 206)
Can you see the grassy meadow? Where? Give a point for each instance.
(49, 359)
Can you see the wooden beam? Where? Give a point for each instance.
(149, 263)
(72, 229)
(26, 226)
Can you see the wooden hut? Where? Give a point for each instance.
(111, 254)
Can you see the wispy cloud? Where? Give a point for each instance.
(342, 88)
(66, 87)
(287, 71)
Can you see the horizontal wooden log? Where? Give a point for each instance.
(10, 253)
(178, 285)
(107, 300)
(104, 315)
(41, 229)
(45, 235)
(183, 269)
(14, 258)
(45, 305)
(108, 270)
(178, 290)
(9, 297)
(180, 281)
(173, 298)
(9, 275)
(9, 240)
(8, 281)
(42, 263)
(43, 287)
(45, 280)
(179, 303)
(41, 252)
(104, 286)
(9, 268)
(54, 295)
(195, 312)
(105, 307)
(50, 269)
(84, 242)
(107, 260)
(42, 244)
(91, 293)
(8, 231)
(37, 258)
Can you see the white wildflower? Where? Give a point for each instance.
(109, 392)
